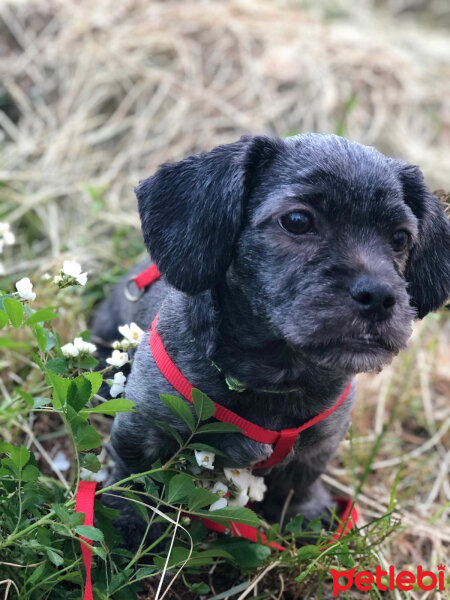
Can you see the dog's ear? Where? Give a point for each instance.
(191, 211)
(428, 267)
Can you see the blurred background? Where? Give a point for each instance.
(95, 95)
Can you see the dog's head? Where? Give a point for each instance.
(334, 246)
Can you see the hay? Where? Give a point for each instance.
(96, 95)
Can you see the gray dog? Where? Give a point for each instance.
(289, 266)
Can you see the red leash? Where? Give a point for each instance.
(85, 504)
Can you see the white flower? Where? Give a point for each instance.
(219, 488)
(118, 359)
(82, 278)
(205, 459)
(25, 289)
(8, 238)
(57, 279)
(220, 503)
(240, 500)
(84, 347)
(240, 477)
(46, 277)
(132, 332)
(73, 269)
(116, 345)
(257, 488)
(119, 384)
(69, 350)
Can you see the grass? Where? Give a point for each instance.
(92, 99)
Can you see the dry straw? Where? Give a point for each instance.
(96, 94)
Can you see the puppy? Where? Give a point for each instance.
(290, 266)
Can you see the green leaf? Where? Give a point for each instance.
(57, 365)
(308, 552)
(95, 380)
(90, 462)
(36, 573)
(20, 456)
(177, 556)
(218, 428)
(79, 393)
(247, 555)
(111, 407)
(11, 466)
(204, 406)
(145, 572)
(51, 339)
(55, 558)
(205, 448)
(179, 487)
(98, 550)
(41, 338)
(315, 525)
(88, 362)
(14, 310)
(89, 532)
(232, 513)
(3, 319)
(60, 387)
(295, 524)
(6, 447)
(63, 514)
(40, 316)
(200, 588)
(345, 557)
(179, 408)
(200, 497)
(38, 402)
(30, 473)
(85, 435)
(150, 486)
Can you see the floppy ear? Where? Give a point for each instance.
(428, 267)
(191, 211)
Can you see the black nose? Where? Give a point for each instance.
(375, 299)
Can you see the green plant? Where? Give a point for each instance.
(40, 532)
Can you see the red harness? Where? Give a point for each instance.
(282, 441)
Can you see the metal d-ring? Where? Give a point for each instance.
(129, 294)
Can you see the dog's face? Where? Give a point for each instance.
(335, 247)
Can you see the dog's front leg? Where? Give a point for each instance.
(133, 449)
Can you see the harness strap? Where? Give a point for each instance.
(147, 277)
(348, 518)
(283, 440)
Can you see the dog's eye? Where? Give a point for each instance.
(400, 240)
(297, 223)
